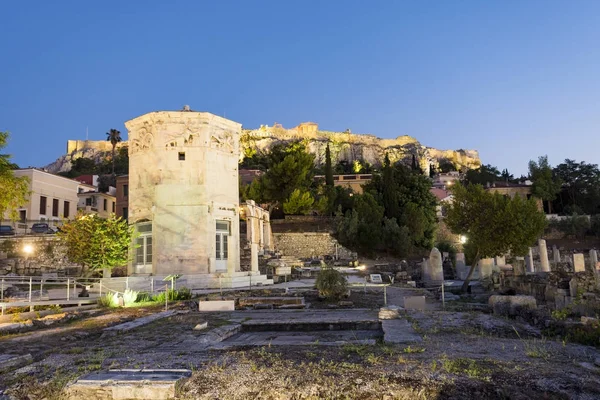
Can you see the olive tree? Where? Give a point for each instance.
(97, 243)
(493, 224)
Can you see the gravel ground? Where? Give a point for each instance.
(464, 355)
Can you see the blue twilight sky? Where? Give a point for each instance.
(512, 79)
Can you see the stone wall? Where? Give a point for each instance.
(48, 256)
(560, 288)
(310, 244)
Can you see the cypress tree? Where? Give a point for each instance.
(328, 168)
(390, 195)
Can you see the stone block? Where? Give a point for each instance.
(578, 262)
(414, 303)
(127, 384)
(390, 312)
(511, 305)
(201, 326)
(217, 305)
(283, 271)
(486, 266)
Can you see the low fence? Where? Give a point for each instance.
(20, 291)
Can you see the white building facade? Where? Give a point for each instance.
(52, 199)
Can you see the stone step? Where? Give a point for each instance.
(152, 384)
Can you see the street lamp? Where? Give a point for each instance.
(463, 239)
(28, 249)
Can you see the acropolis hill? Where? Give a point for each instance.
(345, 146)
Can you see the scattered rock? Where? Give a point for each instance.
(511, 305)
(201, 326)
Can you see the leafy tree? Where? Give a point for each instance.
(389, 190)
(414, 166)
(14, 190)
(255, 191)
(343, 167)
(581, 186)
(507, 176)
(483, 175)
(81, 166)
(493, 224)
(332, 198)
(575, 225)
(105, 182)
(595, 225)
(300, 202)
(328, 168)
(432, 170)
(412, 203)
(255, 160)
(114, 137)
(290, 168)
(546, 185)
(361, 228)
(97, 243)
(447, 166)
(397, 238)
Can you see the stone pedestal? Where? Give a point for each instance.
(254, 257)
(486, 266)
(435, 267)
(555, 254)
(519, 267)
(594, 260)
(529, 262)
(578, 262)
(545, 263)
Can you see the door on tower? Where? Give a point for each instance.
(221, 245)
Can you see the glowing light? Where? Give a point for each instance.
(463, 239)
(28, 249)
(362, 267)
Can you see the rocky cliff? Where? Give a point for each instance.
(96, 150)
(344, 146)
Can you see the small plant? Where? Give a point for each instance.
(410, 350)
(562, 314)
(465, 365)
(180, 294)
(110, 300)
(129, 297)
(359, 349)
(373, 359)
(331, 284)
(537, 349)
(143, 297)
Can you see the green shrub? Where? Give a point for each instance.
(174, 295)
(575, 225)
(110, 300)
(331, 284)
(143, 297)
(129, 297)
(180, 294)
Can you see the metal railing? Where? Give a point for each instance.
(44, 290)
